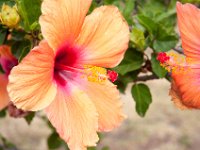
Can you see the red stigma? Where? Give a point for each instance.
(162, 57)
(112, 75)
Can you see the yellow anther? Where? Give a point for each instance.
(95, 74)
(177, 63)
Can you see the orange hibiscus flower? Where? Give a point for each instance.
(185, 90)
(7, 61)
(64, 73)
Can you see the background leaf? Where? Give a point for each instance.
(29, 117)
(3, 33)
(133, 60)
(7, 2)
(54, 141)
(138, 39)
(3, 113)
(30, 12)
(142, 96)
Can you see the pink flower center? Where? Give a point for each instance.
(68, 68)
(8, 64)
(66, 62)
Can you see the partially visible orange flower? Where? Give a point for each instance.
(64, 73)
(7, 61)
(185, 90)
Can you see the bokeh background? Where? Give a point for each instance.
(163, 128)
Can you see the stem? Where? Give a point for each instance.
(6, 37)
(147, 77)
(179, 50)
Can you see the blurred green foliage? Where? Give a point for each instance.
(152, 24)
(153, 29)
(5, 144)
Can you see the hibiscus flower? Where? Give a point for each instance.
(7, 61)
(185, 89)
(64, 74)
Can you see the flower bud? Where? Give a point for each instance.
(9, 16)
(14, 112)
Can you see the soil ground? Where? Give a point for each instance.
(163, 128)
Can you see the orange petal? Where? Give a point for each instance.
(31, 82)
(107, 102)
(188, 23)
(7, 60)
(4, 98)
(187, 87)
(104, 37)
(75, 119)
(176, 97)
(61, 20)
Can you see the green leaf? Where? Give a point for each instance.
(138, 39)
(128, 10)
(129, 77)
(54, 141)
(123, 80)
(157, 69)
(109, 1)
(129, 7)
(25, 51)
(166, 15)
(118, 3)
(3, 33)
(29, 117)
(148, 23)
(133, 60)
(7, 2)
(105, 148)
(165, 40)
(164, 46)
(3, 113)
(30, 11)
(93, 6)
(191, 1)
(35, 26)
(91, 148)
(151, 8)
(162, 38)
(18, 35)
(21, 48)
(142, 96)
(120, 86)
(7, 145)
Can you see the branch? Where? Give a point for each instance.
(98, 1)
(179, 50)
(147, 77)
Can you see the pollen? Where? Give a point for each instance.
(98, 74)
(173, 62)
(95, 74)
